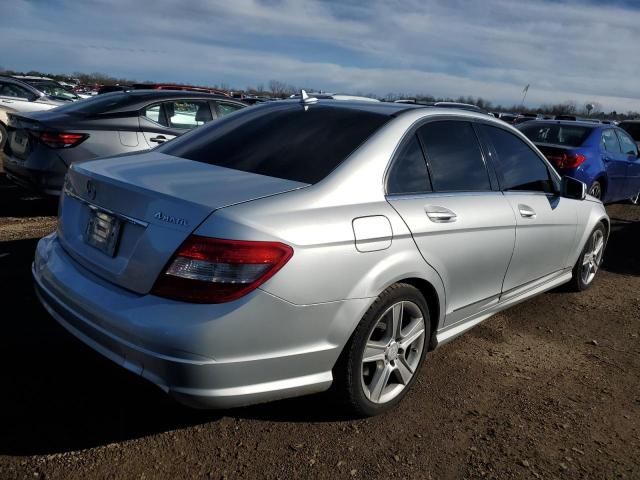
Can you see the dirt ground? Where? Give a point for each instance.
(548, 389)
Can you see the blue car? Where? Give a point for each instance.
(603, 156)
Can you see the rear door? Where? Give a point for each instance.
(546, 223)
(616, 163)
(630, 152)
(461, 223)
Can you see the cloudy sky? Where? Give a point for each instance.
(585, 51)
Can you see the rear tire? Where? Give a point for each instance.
(589, 261)
(381, 361)
(596, 190)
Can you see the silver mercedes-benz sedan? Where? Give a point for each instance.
(302, 244)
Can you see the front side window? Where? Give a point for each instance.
(627, 145)
(187, 114)
(520, 166)
(454, 156)
(610, 141)
(227, 108)
(409, 170)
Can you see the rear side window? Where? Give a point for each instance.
(627, 145)
(610, 141)
(454, 156)
(409, 170)
(566, 135)
(521, 168)
(155, 114)
(285, 141)
(14, 91)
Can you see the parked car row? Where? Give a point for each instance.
(209, 265)
(42, 145)
(605, 157)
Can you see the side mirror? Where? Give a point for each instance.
(572, 188)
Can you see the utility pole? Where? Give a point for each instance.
(524, 94)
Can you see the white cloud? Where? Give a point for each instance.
(570, 50)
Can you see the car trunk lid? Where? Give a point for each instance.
(155, 201)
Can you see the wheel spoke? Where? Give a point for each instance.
(404, 369)
(412, 333)
(598, 249)
(379, 382)
(398, 312)
(586, 260)
(373, 352)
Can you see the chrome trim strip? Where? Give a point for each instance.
(92, 206)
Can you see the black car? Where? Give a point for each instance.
(41, 145)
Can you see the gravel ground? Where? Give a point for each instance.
(548, 389)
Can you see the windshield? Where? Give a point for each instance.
(96, 105)
(284, 141)
(53, 89)
(567, 135)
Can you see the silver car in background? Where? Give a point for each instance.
(302, 244)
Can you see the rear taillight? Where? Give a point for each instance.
(212, 270)
(61, 139)
(567, 160)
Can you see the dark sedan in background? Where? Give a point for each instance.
(42, 145)
(603, 156)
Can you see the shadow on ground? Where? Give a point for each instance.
(623, 248)
(59, 395)
(20, 203)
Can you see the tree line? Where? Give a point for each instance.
(280, 89)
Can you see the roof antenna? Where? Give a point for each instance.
(306, 100)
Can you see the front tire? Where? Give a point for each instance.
(381, 361)
(596, 190)
(589, 261)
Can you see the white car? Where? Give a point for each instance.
(23, 95)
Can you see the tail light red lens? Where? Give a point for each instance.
(211, 270)
(567, 160)
(61, 139)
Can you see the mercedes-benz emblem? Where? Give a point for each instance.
(91, 190)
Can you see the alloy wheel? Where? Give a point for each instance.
(635, 199)
(393, 352)
(596, 190)
(592, 257)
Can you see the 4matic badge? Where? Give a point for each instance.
(170, 219)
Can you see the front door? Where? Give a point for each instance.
(546, 223)
(630, 151)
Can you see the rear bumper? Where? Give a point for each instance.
(195, 352)
(39, 181)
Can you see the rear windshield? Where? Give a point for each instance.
(632, 129)
(96, 105)
(568, 135)
(283, 141)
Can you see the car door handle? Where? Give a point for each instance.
(158, 139)
(606, 159)
(526, 211)
(440, 214)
